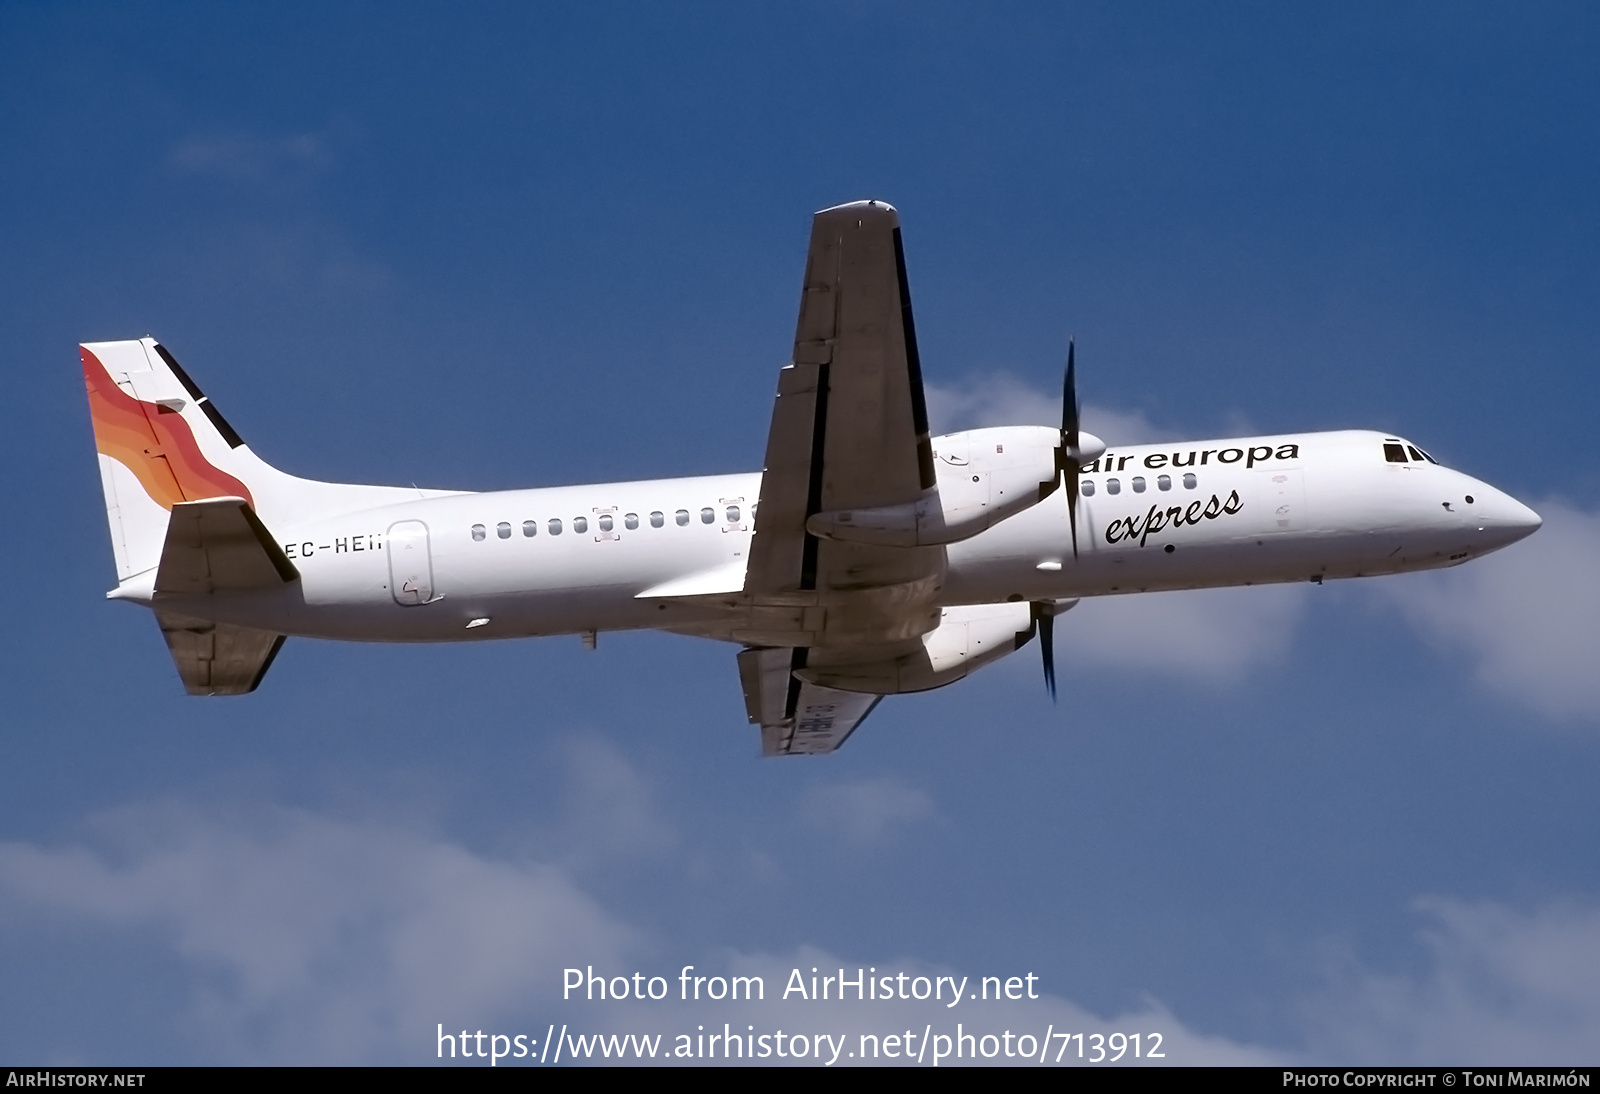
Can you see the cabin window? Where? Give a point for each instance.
(708, 516)
(1138, 484)
(503, 529)
(1189, 481)
(1394, 453)
(580, 524)
(605, 522)
(1163, 482)
(657, 519)
(1086, 488)
(733, 514)
(1113, 486)
(530, 528)
(682, 517)
(630, 520)
(478, 532)
(555, 526)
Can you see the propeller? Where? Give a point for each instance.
(1075, 447)
(1074, 450)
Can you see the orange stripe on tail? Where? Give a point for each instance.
(154, 442)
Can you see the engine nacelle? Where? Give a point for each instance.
(983, 477)
(967, 637)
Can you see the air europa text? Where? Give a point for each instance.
(1196, 457)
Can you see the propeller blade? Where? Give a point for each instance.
(1069, 398)
(1044, 616)
(1068, 462)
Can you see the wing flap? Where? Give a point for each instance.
(779, 547)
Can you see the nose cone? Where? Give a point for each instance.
(1501, 518)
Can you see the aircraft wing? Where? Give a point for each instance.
(850, 426)
(797, 718)
(849, 431)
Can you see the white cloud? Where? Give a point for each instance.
(249, 157)
(1529, 615)
(1502, 987)
(611, 809)
(1002, 399)
(1207, 633)
(302, 258)
(864, 810)
(310, 939)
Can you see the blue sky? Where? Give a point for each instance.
(532, 246)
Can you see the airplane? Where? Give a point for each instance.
(868, 558)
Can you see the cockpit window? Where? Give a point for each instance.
(1398, 451)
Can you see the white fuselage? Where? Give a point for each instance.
(492, 565)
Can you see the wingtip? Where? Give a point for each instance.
(871, 206)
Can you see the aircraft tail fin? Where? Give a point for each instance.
(161, 443)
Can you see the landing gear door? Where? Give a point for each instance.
(410, 563)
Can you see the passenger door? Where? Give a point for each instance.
(410, 563)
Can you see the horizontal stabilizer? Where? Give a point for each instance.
(213, 546)
(219, 545)
(218, 658)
